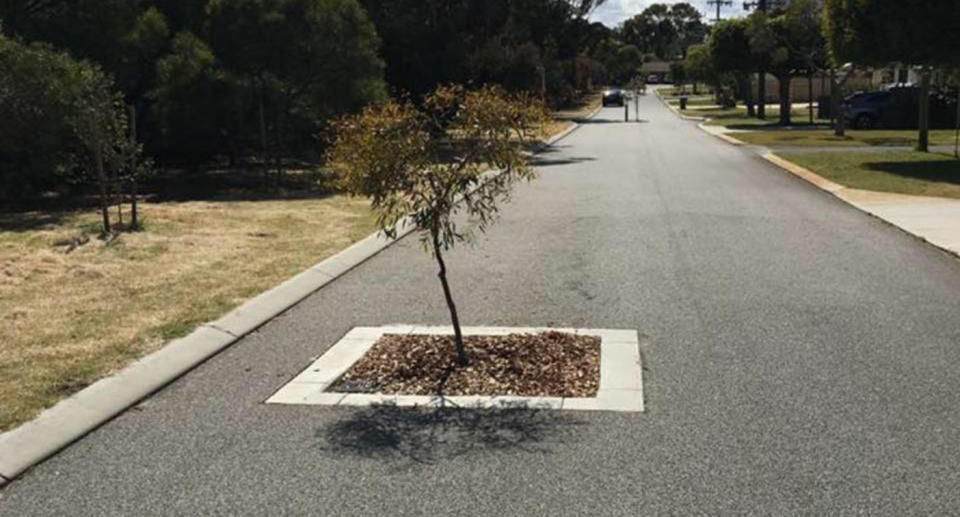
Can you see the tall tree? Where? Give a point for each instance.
(789, 44)
(665, 30)
(920, 33)
(731, 52)
(302, 61)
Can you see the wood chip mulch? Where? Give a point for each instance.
(549, 364)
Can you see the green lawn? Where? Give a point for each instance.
(825, 137)
(737, 117)
(699, 100)
(903, 172)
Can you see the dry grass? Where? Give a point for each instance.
(563, 119)
(71, 318)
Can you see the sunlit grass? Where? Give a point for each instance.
(70, 318)
(903, 172)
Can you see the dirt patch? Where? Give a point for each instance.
(549, 364)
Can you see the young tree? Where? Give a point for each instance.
(100, 123)
(877, 32)
(432, 164)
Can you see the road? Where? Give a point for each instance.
(801, 358)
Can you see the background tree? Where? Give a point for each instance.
(38, 88)
(432, 164)
(730, 50)
(678, 72)
(700, 68)
(913, 32)
(787, 43)
(301, 61)
(64, 122)
(665, 30)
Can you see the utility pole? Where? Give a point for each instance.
(760, 5)
(719, 4)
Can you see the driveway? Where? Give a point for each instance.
(801, 358)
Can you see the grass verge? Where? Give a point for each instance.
(736, 118)
(902, 172)
(71, 317)
(74, 308)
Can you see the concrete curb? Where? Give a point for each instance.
(840, 192)
(808, 175)
(676, 111)
(74, 417)
(722, 136)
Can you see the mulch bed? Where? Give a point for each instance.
(549, 364)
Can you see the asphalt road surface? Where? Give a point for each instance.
(801, 358)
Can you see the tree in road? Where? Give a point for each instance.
(432, 164)
(920, 33)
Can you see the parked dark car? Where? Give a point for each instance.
(898, 107)
(613, 97)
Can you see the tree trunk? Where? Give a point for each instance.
(102, 184)
(785, 105)
(923, 142)
(810, 96)
(762, 94)
(836, 112)
(956, 134)
(457, 334)
(747, 94)
(134, 222)
(263, 138)
(119, 186)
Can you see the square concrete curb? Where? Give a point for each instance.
(621, 374)
(72, 418)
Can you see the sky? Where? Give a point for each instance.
(614, 12)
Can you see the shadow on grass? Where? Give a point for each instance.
(238, 185)
(429, 435)
(29, 221)
(943, 171)
(889, 141)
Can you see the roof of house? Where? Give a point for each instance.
(655, 67)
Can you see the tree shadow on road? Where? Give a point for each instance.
(548, 162)
(432, 434)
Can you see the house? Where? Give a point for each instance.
(656, 71)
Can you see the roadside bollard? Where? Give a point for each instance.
(626, 111)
